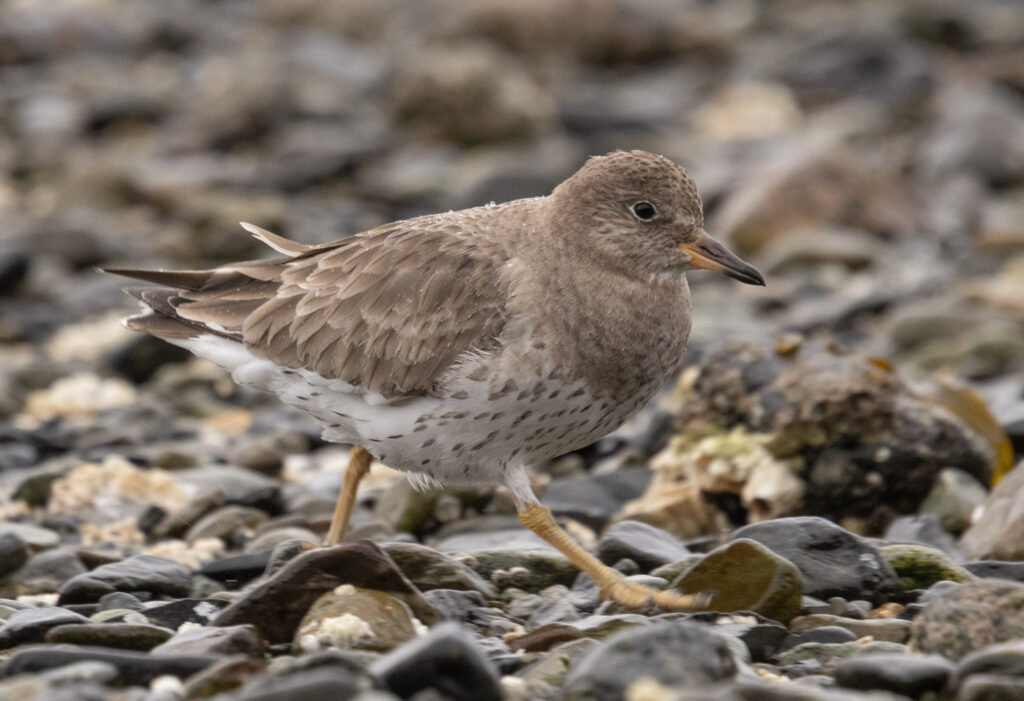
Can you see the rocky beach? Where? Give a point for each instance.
(836, 465)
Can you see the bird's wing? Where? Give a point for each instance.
(388, 311)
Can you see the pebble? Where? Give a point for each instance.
(213, 640)
(746, 576)
(670, 653)
(349, 617)
(832, 561)
(276, 605)
(919, 567)
(996, 534)
(31, 625)
(133, 667)
(141, 573)
(969, 616)
(429, 569)
(124, 636)
(645, 545)
(446, 659)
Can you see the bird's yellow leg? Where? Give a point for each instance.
(611, 584)
(358, 465)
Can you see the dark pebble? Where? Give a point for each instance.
(325, 682)
(452, 604)
(671, 653)
(173, 613)
(824, 634)
(124, 636)
(910, 675)
(832, 561)
(594, 499)
(997, 569)
(236, 570)
(277, 605)
(30, 625)
(156, 575)
(134, 667)
(447, 659)
(230, 640)
(14, 552)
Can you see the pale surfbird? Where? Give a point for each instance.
(466, 347)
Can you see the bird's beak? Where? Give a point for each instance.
(708, 253)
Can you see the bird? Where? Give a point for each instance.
(469, 346)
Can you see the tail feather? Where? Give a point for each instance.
(192, 280)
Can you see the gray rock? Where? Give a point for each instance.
(133, 667)
(31, 625)
(831, 560)
(453, 604)
(953, 500)
(594, 499)
(173, 613)
(531, 570)
(997, 569)
(277, 605)
(447, 659)
(429, 569)
(230, 640)
(991, 687)
(325, 682)
(997, 534)
(925, 529)
(822, 634)
(156, 575)
(14, 552)
(910, 675)
(968, 617)
(35, 537)
(1002, 658)
(670, 653)
(826, 656)
(226, 523)
(893, 630)
(646, 545)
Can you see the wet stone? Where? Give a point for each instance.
(355, 618)
(747, 576)
(133, 667)
(910, 675)
(277, 605)
(452, 604)
(230, 640)
(429, 569)
(14, 552)
(670, 653)
(822, 634)
(831, 560)
(646, 545)
(124, 636)
(1002, 658)
(446, 659)
(997, 569)
(141, 573)
(30, 625)
(173, 613)
(991, 687)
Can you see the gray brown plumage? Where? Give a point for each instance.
(465, 346)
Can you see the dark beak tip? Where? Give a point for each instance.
(748, 275)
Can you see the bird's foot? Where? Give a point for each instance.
(639, 596)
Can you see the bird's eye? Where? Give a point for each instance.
(644, 211)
